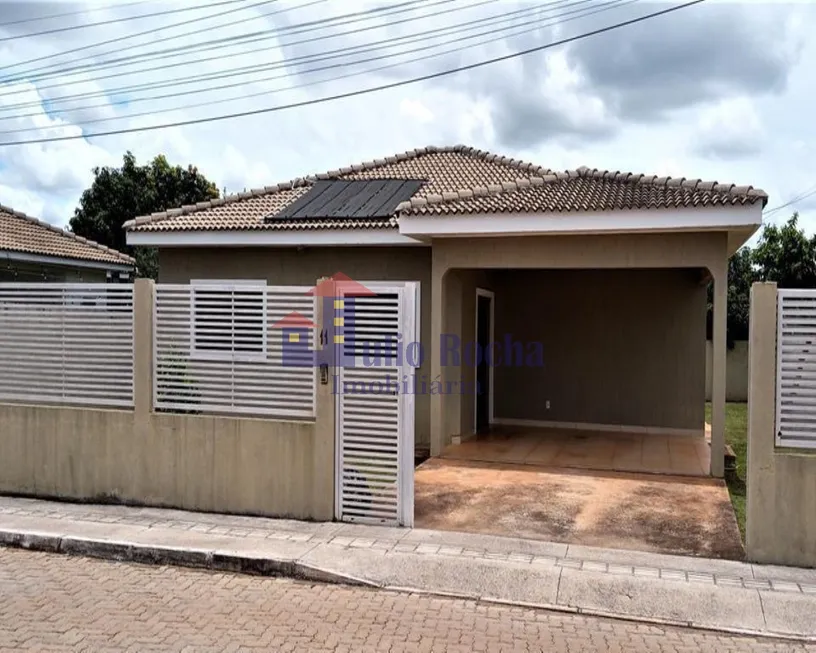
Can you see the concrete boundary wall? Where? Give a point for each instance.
(736, 371)
(781, 507)
(197, 462)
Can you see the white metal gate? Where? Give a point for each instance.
(375, 414)
(796, 369)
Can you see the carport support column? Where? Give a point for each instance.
(718, 372)
(439, 303)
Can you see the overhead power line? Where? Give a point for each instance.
(230, 41)
(341, 53)
(501, 34)
(126, 37)
(242, 70)
(52, 69)
(123, 19)
(364, 91)
(66, 14)
(219, 74)
(798, 198)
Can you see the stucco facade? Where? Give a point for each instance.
(621, 347)
(622, 318)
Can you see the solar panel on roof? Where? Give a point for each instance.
(339, 198)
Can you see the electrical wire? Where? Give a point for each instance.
(229, 41)
(50, 71)
(436, 33)
(221, 74)
(363, 91)
(798, 198)
(236, 71)
(68, 13)
(143, 33)
(123, 19)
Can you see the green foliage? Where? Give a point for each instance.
(184, 388)
(121, 194)
(736, 436)
(784, 255)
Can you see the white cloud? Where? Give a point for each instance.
(415, 110)
(729, 129)
(22, 199)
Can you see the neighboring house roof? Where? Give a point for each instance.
(458, 179)
(25, 235)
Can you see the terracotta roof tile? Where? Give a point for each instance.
(587, 190)
(458, 179)
(22, 233)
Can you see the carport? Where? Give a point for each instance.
(601, 368)
(603, 442)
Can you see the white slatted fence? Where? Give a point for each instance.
(66, 343)
(219, 349)
(796, 369)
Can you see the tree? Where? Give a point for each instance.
(121, 194)
(784, 254)
(741, 274)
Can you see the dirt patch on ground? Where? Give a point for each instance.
(666, 514)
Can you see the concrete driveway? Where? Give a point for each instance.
(644, 512)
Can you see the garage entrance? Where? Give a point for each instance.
(588, 426)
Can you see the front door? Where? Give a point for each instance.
(484, 311)
(375, 406)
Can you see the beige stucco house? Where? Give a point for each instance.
(607, 271)
(32, 250)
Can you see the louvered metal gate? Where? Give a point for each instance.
(796, 369)
(375, 415)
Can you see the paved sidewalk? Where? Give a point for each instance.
(716, 594)
(79, 605)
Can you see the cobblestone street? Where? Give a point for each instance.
(60, 603)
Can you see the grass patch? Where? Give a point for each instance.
(736, 435)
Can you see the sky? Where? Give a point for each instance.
(722, 91)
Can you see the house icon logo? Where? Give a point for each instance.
(338, 295)
(295, 328)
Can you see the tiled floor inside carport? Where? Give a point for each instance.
(597, 450)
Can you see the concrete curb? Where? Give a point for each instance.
(213, 560)
(216, 560)
(567, 609)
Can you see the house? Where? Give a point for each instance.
(591, 284)
(32, 250)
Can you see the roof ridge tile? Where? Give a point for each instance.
(477, 191)
(668, 181)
